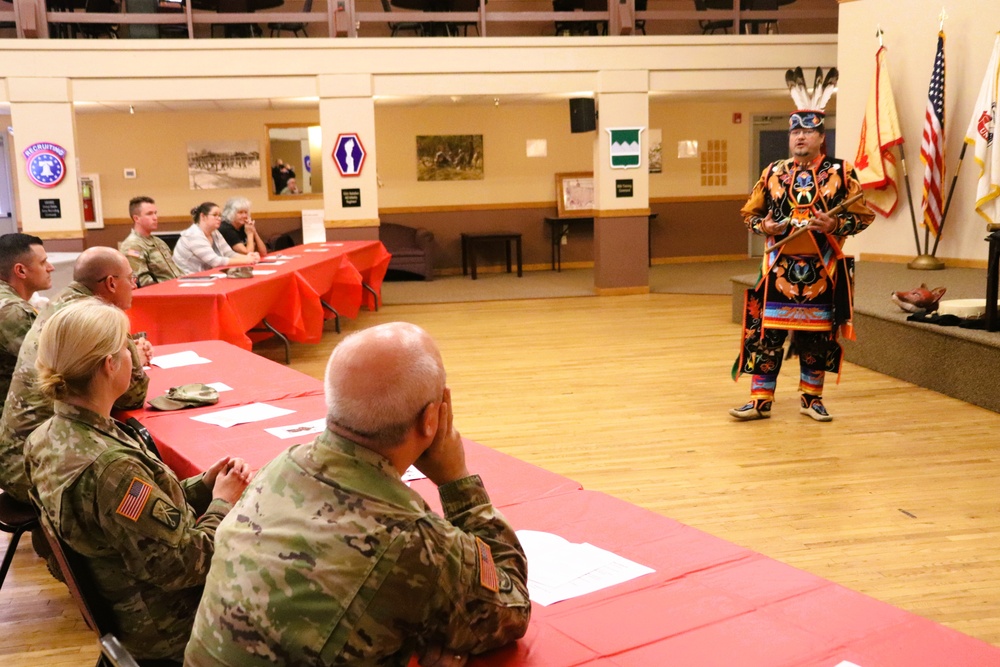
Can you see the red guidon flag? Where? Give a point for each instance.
(875, 161)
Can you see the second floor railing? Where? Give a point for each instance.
(352, 18)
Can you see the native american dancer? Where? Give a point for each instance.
(806, 206)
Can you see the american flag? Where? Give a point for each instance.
(135, 499)
(932, 144)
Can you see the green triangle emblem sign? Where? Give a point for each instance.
(626, 149)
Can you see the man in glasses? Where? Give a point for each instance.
(99, 271)
(329, 558)
(805, 283)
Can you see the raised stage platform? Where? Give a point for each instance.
(962, 363)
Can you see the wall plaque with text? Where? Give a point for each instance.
(623, 188)
(350, 197)
(49, 209)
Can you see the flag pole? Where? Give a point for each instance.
(909, 197)
(951, 191)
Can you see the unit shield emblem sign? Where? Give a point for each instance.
(626, 148)
(45, 164)
(349, 154)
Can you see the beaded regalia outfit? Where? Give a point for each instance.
(805, 285)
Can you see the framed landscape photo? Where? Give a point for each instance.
(575, 194)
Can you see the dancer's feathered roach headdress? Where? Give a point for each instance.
(809, 104)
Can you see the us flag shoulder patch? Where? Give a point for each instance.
(135, 499)
(487, 570)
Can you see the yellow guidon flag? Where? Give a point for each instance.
(875, 161)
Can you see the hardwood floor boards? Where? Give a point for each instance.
(895, 498)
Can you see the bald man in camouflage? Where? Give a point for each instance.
(98, 271)
(330, 559)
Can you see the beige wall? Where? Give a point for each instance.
(970, 29)
(155, 145)
(112, 142)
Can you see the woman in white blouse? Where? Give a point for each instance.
(202, 247)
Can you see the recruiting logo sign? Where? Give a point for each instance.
(626, 149)
(46, 164)
(349, 154)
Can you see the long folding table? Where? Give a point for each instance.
(708, 603)
(294, 296)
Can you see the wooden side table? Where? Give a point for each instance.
(471, 242)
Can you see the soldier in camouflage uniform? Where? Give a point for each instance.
(146, 537)
(99, 271)
(24, 270)
(151, 259)
(330, 559)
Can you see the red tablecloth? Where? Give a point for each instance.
(189, 447)
(709, 603)
(372, 261)
(181, 310)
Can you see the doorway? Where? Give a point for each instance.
(770, 143)
(8, 219)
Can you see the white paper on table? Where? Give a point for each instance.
(178, 359)
(560, 570)
(263, 272)
(283, 258)
(313, 226)
(201, 283)
(334, 245)
(267, 261)
(219, 386)
(244, 414)
(846, 663)
(317, 250)
(295, 430)
(412, 474)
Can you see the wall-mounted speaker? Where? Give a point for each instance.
(582, 115)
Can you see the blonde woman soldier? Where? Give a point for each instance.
(147, 537)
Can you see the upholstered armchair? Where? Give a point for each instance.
(412, 248)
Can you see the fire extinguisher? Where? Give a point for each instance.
(88, 203)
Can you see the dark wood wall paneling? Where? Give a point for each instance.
(689, 229)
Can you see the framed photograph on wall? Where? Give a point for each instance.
(214, 165)
(575, 194)
(450, 157)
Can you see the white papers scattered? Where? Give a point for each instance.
(254, 412)
(219, 386)
(203, 283)
(178, 359)
(412, 474)
(263, 272)
(295, 430)
(560, 570)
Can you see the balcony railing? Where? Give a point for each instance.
(357, 18)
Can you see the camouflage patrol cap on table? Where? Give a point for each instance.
(239, 272)
(186, 396)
